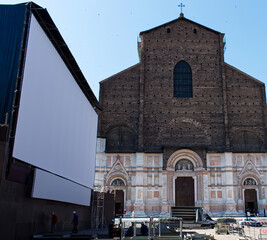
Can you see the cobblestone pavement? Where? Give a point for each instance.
(219, 237)
(253, 233)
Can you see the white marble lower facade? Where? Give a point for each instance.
(220, 187)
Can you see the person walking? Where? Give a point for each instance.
(75, 222)
(53, 222)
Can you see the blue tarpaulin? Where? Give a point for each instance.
(12, 18)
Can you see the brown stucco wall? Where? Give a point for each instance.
(23, 216)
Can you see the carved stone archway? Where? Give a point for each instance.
(185, 154)
(117, 184)
(185, 167)
(251, 187)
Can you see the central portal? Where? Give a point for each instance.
(119, 203)
(251, 201)
(184, 191)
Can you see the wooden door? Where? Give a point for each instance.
(184, 191)
(251, 203)
(119, 203)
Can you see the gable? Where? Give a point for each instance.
(179, 22)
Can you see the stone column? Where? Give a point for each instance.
(228, 181)
(165, 205)
(140, 189)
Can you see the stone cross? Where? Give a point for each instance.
(181, 5)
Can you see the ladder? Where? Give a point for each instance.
(99, 213)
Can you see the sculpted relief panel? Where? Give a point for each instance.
(184, 165)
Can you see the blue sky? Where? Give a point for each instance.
(102, 34)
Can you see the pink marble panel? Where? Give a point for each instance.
(219, 194)
(156, 161)
(156, 194)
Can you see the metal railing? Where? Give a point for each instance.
(157, 228)
(249, 232)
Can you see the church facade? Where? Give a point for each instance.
(183, 128)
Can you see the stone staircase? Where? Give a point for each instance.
(187, 213)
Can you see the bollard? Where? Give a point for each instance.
(181, 229)
(121, 227)
(154, 230)
(159, 229)
(149, 230)
(122, 230)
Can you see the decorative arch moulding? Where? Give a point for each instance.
(115, 176)
(185, 154)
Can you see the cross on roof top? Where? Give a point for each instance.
(181, 5)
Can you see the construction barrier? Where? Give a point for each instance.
(253, 233)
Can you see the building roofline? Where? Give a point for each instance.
(179, 19)
(236, 69)
(119, 73)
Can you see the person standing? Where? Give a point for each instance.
(144, 229)
(248, 213)
(130, 231)
(75, 222)
(53, 222)
(111, 229)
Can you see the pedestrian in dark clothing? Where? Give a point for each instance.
(75, 222)
(144, 230)
(130, 231)
(53, 222)
(111, 229)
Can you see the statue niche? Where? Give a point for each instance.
(184, 165)
(250, 181)
(117, 182)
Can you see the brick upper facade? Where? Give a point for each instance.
(226, 113)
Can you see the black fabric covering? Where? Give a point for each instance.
(12, 18)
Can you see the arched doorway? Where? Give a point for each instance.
(251, 204)
(182, 165)
(184, 191)
(250, 194)
(118, 197)
(119, 202)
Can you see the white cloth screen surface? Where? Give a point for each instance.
(52, 187)
(57, 126)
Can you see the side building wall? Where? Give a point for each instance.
(24, 216)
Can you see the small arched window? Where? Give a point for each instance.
(182, 80)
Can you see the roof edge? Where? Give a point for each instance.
(179, 19)
(104, 80)
(236, 69)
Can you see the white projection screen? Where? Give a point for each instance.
(57, 126)
(52, 187)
